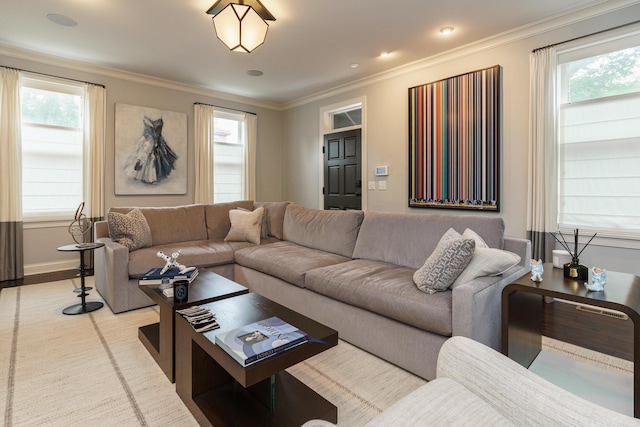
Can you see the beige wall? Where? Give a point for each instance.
(387, 127)
(41, 242)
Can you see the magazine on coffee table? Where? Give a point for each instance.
(259, 340)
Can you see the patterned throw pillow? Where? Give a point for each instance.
(447, 261)
(130, 230)
(245, 226)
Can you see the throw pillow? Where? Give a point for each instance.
(245, 226)
(447, 261)
(130, 229)
(487, 262)
(470, 234)
(264, 226)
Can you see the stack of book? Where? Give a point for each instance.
(201, 319)
(256, 341)
(153, 276)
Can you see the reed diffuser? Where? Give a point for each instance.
(573, 269)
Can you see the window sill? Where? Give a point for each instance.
(29, 224)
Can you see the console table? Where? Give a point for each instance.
(522, 312)
(84, 306)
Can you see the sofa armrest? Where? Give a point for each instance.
(522, 247)
(100, 229)
(111, 268)
(477, 305)
(518, 394)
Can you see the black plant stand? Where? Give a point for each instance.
(84, 306)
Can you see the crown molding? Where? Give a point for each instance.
(511, 36)
(76, 65)
(507, 37)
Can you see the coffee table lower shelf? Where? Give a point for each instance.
(149, 335)
(233, 405)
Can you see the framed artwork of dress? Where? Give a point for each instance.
(150, 151)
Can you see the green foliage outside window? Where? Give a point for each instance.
(614, 73)
(50, 108)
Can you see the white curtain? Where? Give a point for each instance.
(204, 142)
(542, 194)
(251, 123)
(94, 143)
(11, 243)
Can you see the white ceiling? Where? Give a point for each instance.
(309, 48)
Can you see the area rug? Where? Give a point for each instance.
(91, 369)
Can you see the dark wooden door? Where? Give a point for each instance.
(342, 170)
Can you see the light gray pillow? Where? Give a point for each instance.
(470, 234)
(487, 262)
(245, 226)
(264, 225)
(447, 261)
(130, 229)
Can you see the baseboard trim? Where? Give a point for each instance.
(50, 267)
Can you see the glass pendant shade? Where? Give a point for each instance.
(240, 27)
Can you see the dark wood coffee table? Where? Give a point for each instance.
(219, 391)
(158, 338)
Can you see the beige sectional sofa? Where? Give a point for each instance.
(477, 386)
(351, 270)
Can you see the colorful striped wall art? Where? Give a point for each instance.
(454, 141)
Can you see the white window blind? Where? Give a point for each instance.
(229, 157)
(52, 149)
(599, 139)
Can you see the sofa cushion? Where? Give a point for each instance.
(329, 231)
(444, 265)
(408, 239)
(174, 224)
(217, 217)
(130, 229)
(286, 260)
(274, 217)
(385, 289)
(200, 253)
(245, 226)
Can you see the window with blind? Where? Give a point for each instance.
(599, 138)
(229, 155)
(52, 148)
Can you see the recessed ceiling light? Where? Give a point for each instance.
(61, 20)
(446, 30)
(355, 65)
(385, 54)
(255, 73)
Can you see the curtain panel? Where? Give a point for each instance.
(94, 146)
(251, 123)
(11, 226)
(204, 141)
(542, 171)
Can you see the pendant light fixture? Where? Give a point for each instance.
(240, 24)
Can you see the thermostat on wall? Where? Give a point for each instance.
(382, 170)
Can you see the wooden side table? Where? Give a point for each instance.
(84, 306)
(522, 312)
(158, 338)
